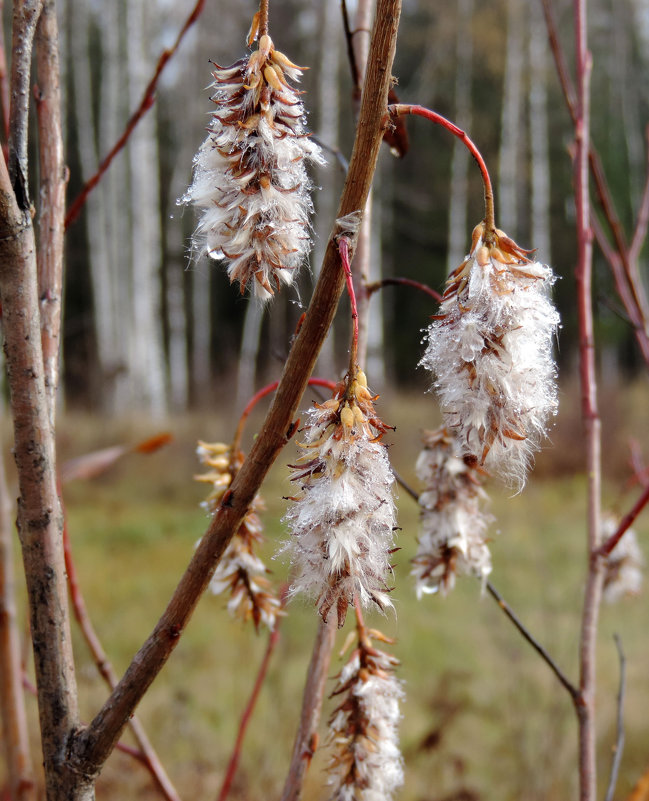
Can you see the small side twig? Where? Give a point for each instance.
(540, 650)
(146, 103)
(626, 522)
(618, 748)
(145, 753)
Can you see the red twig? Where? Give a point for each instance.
(626, 522)
(343, 249)
(233, 763)
(624, 268)
(146, 103)
(642, 221)
(260, 395)
(376, 285)
(146, 753)
(401, 108)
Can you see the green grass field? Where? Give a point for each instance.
(483, 717)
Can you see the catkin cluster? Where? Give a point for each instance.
(240, 571)
(366, 763)
(453, 524)
(490, 348)
(343, 519)
(250, 180)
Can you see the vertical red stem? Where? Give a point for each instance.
(586, 703)
(343, 247)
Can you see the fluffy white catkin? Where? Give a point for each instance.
(343, 520)
(490, 348)
(453, 525)
(250, 180)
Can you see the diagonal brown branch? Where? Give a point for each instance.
(92, 747)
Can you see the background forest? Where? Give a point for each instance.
(148, 328)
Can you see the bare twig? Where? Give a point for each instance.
(273, 639)
(25, 18)
(626, 522)
(618, 749)
(541, 651)
(642, 220)
(12, 701)
(590, 415)
(625, 270)
(51, 197)
(92, 746)
(146, 754)
(146, 103)
(306, 740)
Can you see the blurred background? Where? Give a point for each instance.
(149, 329)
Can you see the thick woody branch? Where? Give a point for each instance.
(93, 746)
(25, 18)
(51, 210)
(39, 514)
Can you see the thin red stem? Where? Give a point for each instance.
(145, 753)
(376, 285)
(343, 249)
(626, 522)
(260, 395)
(146, 103)
(401, 108)
(233, 763)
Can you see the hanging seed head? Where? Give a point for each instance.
(240, 572)
(624, 565)
(366, 764)
(490, 348)
(250, 178)
(452, 523)
(343, 519)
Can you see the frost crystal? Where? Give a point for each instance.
(453, 526)
(490, 348)
(366, 764)
(249, 175)
(240, 571)
(624, 564)
(343, 520)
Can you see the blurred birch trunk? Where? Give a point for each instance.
(458, 233)
(146, 349)
(539, 132)
(507, 197)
